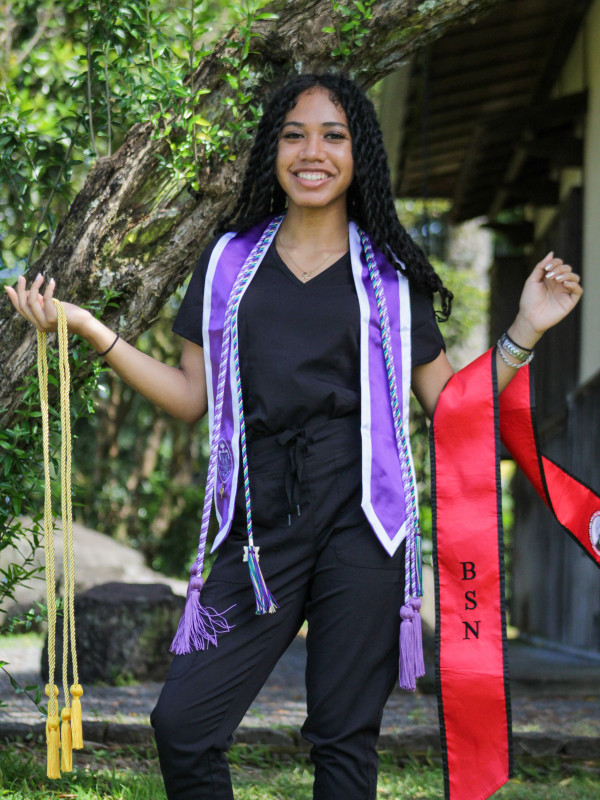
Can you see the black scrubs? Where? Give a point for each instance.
(299, 360)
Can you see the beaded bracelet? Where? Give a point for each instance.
(101, 355)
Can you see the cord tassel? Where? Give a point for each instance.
(71, 734)
(66, 750)
(199, 626)
(265, 602)
(53, 747)
(415, 602)
(411, 645)
(52, 734)
(76, 726)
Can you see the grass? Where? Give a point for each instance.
(133, 774)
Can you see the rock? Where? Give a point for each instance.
(98, 559)
(123, 633)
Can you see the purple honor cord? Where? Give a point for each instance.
(198, 626)
(411, 664)
(265, 602)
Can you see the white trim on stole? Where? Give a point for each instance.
(391, 545)
(235, 444)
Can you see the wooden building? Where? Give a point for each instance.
(502, 117)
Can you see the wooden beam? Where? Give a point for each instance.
(481, 36)
(551, 113)
(564, 37)
(561, 150)
(420, 160)
(491, 59)
(484, 75)
(480, 95)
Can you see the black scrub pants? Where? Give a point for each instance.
(326, 567)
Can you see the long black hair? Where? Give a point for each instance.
(369, 198)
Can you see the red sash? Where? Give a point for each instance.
(471, 655)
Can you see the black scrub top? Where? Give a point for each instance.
(299, 343)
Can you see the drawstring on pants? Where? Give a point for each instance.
(297, 444)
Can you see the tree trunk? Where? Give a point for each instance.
(135, 231)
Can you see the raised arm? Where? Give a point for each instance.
(181, 391)
(550, 293)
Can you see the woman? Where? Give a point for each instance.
(282, 324)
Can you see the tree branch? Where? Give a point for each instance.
(131, 229)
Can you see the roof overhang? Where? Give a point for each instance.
(478, 125)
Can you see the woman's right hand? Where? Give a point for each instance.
(181, 391)
(40, 309)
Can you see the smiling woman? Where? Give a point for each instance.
(307, 321)
(314, 168)
(314, 156)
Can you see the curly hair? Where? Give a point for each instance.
(370, 199)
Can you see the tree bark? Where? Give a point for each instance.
(134, 231)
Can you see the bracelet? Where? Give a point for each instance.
(520, 346)
(101, 355)
(511, 364)
(521, 354)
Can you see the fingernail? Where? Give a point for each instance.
(549, 274)
(52, 281)
(38, 276)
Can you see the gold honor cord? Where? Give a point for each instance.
(70, 734)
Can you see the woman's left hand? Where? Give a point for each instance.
(550, 293)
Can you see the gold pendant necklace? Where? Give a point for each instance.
(304, 275)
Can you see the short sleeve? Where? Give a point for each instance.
(427, 340)
(188, 321)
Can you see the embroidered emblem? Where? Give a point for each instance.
(595, 531)
(224, 461)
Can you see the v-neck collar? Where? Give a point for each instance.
(274, 253)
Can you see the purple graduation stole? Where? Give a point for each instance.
(389, 497)
(471, 660)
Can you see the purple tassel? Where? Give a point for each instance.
(412, 665)
(415, 603)
(265, 602)
(198, 626)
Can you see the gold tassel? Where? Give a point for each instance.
(76, 727)
(52, 735)
(72, 737)
(66, 751)
(53, 746)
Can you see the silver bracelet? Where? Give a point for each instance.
(511, 364)
(520, 353)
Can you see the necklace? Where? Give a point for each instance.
(304, 274)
